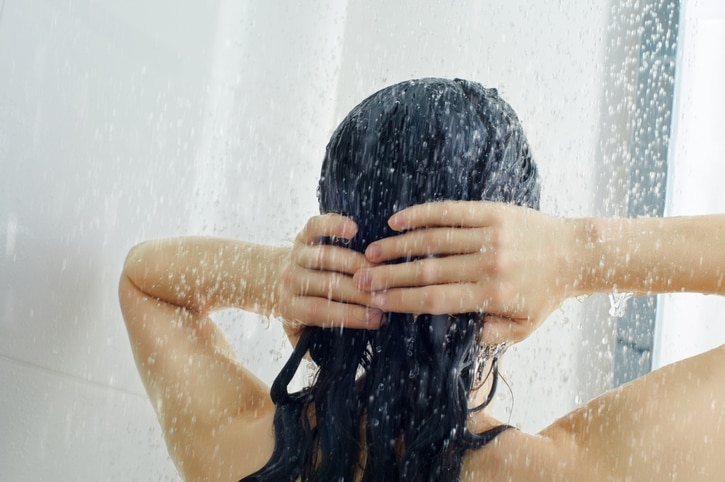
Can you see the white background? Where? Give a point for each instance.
(123, 121)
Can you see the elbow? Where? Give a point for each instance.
(128, 296)
(140, 265)
(129, 284)
(133, 265)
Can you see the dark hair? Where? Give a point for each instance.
(393, 403)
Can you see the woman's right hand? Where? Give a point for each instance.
(316, 286)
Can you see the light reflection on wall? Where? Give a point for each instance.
(691, 323)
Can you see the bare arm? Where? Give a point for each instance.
(215, 414)
(204, 399)
(667, 425)
(652, 255)
(204, 274)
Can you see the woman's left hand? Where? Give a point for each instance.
(512, 263)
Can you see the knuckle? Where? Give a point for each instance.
(497, 262)
(501, 292)
(315, 221)
(503, 262)
(497, 218)
(332, 283)
(483, 262)
(400, 247)
(437, 240)
(321, 255)
(429, 272)
(313, 227)
(306, 230)
(497, 239)
(432, 300)
(300, 285)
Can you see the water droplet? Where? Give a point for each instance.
(617, 303)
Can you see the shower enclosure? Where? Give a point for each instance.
(124, 121)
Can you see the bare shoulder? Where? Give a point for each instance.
(233, 451)
(519, 456)
(667, 425)
(234, 447)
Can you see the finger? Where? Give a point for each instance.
(430, 271)
(435, 300)
(331, 258)
(328, 285)
(325, 313)
(327, 225)
(446, 213)
(421, 242)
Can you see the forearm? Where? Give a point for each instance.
(652, 255)
(204, 274)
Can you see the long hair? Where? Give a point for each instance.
(391, 404)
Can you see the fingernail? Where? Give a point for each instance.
(373, 318)
(363, 279)
(373, 252)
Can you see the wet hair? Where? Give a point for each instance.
(391, 404)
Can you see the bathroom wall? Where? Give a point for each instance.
(100, 117)
(123, 121)
(691, 323)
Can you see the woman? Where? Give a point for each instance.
(406, 336)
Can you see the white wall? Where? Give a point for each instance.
(122, 121)
(691, 323)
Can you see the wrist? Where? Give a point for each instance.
(276, 263)
(587, 262)
(611, 255)
(243, 276)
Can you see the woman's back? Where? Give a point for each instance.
(634, 433)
